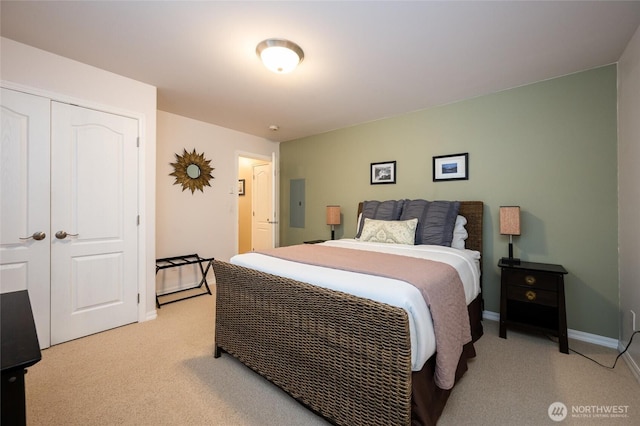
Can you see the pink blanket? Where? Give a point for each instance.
(438, 282)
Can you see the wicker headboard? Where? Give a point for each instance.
(472, 211)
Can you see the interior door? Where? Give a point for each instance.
(24, 202)
(94, 159)
(263, 211)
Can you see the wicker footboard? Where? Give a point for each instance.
(345, 357)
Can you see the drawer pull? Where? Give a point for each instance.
(530, 279)
(531, 295)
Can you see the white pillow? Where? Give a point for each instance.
(389, 231)
(459, 233)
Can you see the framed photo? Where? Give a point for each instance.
(383, 172)
(451, 167)
(240, 186)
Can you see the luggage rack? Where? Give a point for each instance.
(177, 261)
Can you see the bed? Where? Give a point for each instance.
(346, 357)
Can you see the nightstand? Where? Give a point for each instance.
(532, 297)
(315, 241)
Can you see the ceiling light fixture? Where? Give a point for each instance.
(279, 55)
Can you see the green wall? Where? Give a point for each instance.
(549, 147)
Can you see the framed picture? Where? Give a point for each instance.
(240, 186)
(383, 172)
(451, 167)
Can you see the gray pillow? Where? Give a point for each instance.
(380, 210)
(436, 220)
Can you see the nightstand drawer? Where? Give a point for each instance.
(533, 295)
(532, 279)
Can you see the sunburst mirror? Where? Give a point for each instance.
(192, 171)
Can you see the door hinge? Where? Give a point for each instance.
(138, 221)
(138, 142)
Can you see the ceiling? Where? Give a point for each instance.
(363, 60)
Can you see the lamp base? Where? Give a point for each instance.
(510, 261)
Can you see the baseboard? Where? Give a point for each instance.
(607, 342)
(176, 288)
(633, 366)
(492, 316)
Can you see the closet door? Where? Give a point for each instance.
(94, 159)
(24, 202)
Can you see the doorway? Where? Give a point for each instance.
(257, 224)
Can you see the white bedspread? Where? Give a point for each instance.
(385, 290)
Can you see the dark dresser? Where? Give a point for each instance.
(20, 349)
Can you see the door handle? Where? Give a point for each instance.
(39, 235)
(61, 235)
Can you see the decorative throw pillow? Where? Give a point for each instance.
(389, 231)
(380, 210)
(436, 220)
(460, 233)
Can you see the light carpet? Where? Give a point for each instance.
(162, 372)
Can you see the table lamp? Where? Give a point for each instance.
(333, 218)
(510, 225)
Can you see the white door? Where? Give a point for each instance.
(25, 237)
(94, 159)
(263, 212)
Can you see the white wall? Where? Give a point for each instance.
(205, 222)
(629, 194)
(43, 73)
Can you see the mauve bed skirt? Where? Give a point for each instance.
(427, 399)
(346, 358)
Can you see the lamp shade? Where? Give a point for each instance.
(510, 220)
(333, 215)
